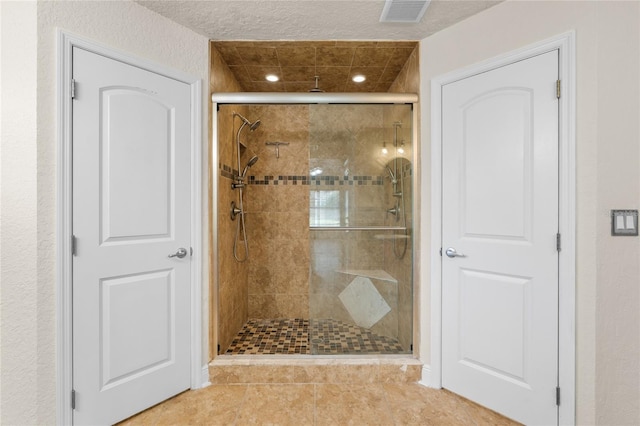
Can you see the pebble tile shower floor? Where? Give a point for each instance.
(309, 337)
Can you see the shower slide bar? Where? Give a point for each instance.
(357, 228)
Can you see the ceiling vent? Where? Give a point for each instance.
(409, 11)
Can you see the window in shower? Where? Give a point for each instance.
(328, 208)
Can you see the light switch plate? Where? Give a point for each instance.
(624, 223)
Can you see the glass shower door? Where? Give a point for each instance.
(360, 290)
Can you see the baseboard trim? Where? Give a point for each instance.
(426, 377)
(204, 376)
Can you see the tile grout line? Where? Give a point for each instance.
(315, 404)
(386, 400)
(244, 399)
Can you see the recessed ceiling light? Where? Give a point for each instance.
(359, 78)
(272, 78)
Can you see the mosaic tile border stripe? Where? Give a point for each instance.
(317, 180)
(229, 173)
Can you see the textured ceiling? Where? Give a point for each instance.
(334, 62)
(298, 22)
(308, 19)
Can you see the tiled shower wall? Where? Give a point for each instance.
(398, 261)
(276, 281)
(408, 81)
(277, 205)
(228, 310)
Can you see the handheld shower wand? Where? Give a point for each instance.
(251, 162)
(239, 184)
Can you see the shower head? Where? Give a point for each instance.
(251, 162)
(252, 126)
(316, 89)
(392, 175)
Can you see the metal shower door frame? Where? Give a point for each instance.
(310, 98)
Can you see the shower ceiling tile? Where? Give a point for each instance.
(230, 55)
(389, 75)
(258, 55)
(298, 74)
(334, 74)
(297, 56)
(361, 43)
(258, 73)
(399, 57)
(240, 72)
(334, 56)
(363, 302)
(298, 62)
(369, 57)
(373, 74)
(263, 86)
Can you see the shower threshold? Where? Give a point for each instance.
(314, 337)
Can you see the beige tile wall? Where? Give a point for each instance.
(291, 273)
(408, 81)
(228, 310)
(278, 215)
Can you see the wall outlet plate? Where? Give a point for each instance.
(624, 223)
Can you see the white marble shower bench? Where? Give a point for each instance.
(377, 274)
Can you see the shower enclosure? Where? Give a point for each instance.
(328, 222)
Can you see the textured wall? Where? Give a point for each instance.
(618, 278)
(20, 348)
(607, 300)
(28, 196)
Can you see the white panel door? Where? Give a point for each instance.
(131, 209)
(500, 214)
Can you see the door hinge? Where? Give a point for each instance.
(73, 399)
(74, 245)
(73, 89)
(558, 242)
(558, 395)
(558, 89)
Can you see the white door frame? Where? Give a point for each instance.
(64, 259)
(567, 214)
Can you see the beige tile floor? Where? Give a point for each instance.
(318, 404)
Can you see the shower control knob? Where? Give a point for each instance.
(182, 252)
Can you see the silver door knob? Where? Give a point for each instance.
(451, 252)
(182, 252)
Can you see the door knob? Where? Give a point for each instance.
(182, 252)
(451, 252)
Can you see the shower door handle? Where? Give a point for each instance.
(182, 252)
(451, 252)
